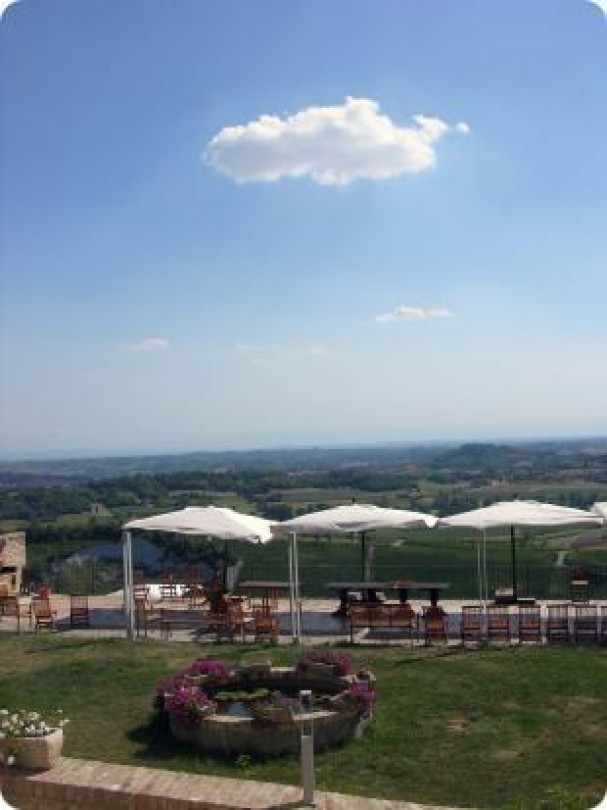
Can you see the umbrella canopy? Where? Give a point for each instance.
(354, 517)
(520, 513)
(209, 521)
(600, 508)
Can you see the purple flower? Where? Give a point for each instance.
(362, 695)
(207, 666)
(189, 706)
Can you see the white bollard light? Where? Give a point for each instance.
(306, 727)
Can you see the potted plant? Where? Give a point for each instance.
(188, 707)
(34, 739)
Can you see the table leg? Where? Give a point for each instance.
(342, 609)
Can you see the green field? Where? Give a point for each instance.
(513, 728)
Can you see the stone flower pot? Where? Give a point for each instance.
(38, 753)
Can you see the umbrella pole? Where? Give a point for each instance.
(225, 565)
(292, 588)
(297, 593)
(513, 562)
(485, 574)
(129, 613)
(363, 555)
(479, 574)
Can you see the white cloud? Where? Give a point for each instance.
(245, 348)
(153, 344)
(331, 145)
(600, 4)
(405, 313)
(259, 361)
(4, 4)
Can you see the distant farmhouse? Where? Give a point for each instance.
(99, 510)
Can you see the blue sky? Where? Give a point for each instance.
(223, 225)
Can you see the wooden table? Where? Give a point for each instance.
(369, 591)
(266, 590)
(403, 587)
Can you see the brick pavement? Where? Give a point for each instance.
(85, 784)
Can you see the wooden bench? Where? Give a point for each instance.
(384, 616)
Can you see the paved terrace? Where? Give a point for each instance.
(103, 786)
(319, 625)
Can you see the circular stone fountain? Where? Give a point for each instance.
(252, 726)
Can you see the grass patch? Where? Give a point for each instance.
(497, 728)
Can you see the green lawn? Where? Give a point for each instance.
(516, 728)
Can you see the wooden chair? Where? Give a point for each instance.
(604, 623)
(404, 619)
(585, 624)
(44, 615)
(557, 623)
(579, 585)
(472, 624)
(12, 609)
(359, 617)
(141, 591)
(530, 624)
(4, 598)
(435, 625)
(498, 623)
(236, 623)
(79, 611)
(266, 625)
(146, 617)
(26, 582)
(168, 584)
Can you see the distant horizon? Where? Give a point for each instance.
(68, 455)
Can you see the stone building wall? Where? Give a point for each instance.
(12, 556)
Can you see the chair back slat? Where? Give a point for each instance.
(529, 623)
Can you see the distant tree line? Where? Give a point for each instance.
(461, 479)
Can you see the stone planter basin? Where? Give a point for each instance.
(228, 736)
(272, 732)
(38, 753)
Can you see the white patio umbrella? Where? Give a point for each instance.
(600, 508)
(519, 513)
(354, 518)
(205, 521)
